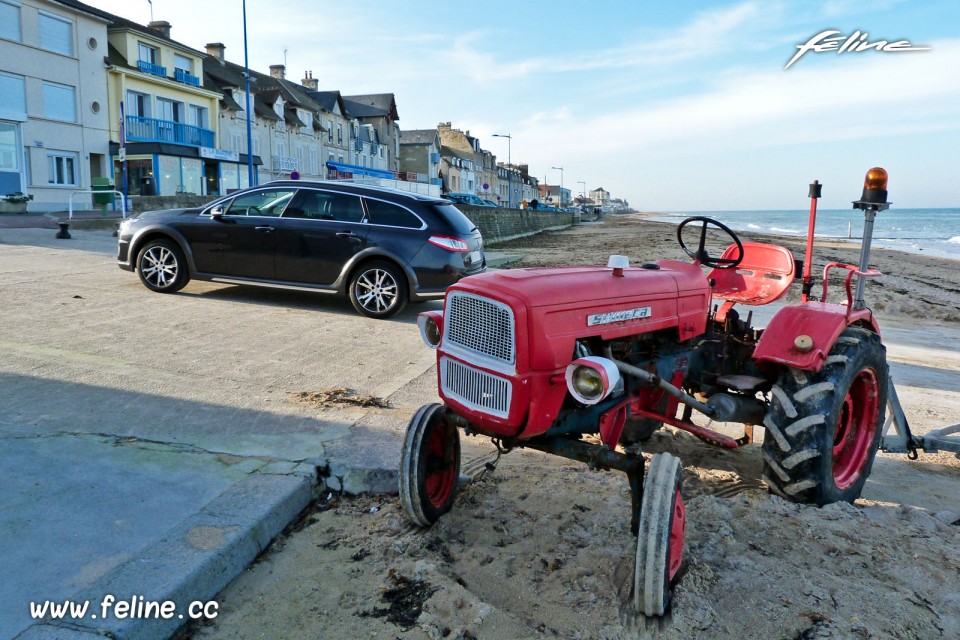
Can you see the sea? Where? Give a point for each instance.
(934, 232)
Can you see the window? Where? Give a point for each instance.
(59, 102)
(299, 155)
(198, 116)
(182, 63)
(329, 130)
(138, 104)
(392, 215)
(269, 203)
(13, 102)
(314, 162)
(281, 148)
(147, 53)
(235, 142)
(56, 33)
(321, 205)
(9, 21)
(62, 169)
(256, 145)
(339, 133)
(169, 110)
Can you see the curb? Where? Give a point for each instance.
(194, 561)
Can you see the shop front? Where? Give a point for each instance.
(156, 168)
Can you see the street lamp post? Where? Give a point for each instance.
(561, 185)
(246, 75)
(509, 168)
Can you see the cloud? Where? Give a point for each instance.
(803, 105)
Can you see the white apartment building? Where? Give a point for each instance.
(54, 124)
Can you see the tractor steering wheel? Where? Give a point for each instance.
(701, 255)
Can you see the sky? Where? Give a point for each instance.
(672, 106)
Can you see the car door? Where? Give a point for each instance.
(319, 232)
(239, 237)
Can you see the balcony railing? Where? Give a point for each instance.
(152, 69)
(285, 163)
(186, 78)
(153, 130)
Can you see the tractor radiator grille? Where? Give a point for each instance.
(476, 389)
(481, 325)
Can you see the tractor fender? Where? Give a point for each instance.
(821, 322)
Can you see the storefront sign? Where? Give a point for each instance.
(219, 154)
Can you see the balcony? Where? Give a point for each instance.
(152, 69)
(285, 163)
(186, 78)
(153, 130)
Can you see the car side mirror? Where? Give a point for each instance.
(217, 213)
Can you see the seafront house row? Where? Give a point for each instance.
(90, 97)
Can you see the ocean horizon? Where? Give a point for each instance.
(934, 232)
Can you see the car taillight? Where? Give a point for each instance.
(448, 243)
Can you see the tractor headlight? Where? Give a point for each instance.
(592, 379)
(431, 328)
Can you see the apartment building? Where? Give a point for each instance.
(420, 154)
(53, 100)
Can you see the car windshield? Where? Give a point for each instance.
(457, 220)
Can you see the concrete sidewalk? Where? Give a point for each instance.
(51, 220)
(155, 444)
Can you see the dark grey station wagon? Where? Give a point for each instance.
(380, 247)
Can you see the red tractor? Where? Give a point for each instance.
(540, 357)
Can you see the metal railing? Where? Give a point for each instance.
(186, 77)
(151, 68)
(154, 130)
(123, 200)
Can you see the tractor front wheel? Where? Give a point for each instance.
(663, 520)
(429, 466)
(823, 429)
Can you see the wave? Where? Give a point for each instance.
(954, 240)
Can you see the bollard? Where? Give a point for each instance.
(64, 233)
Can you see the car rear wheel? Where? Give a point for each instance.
(378, 290)
(162, 266)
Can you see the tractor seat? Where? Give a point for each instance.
(764, 275)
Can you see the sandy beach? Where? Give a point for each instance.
(540, 547)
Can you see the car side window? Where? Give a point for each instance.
(269, 203)
(324, 205)
(393, 215)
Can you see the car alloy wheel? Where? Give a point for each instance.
(162, 267)
(378, 290)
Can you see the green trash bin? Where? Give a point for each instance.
(102, 199)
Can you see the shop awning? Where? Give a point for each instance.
(167, 149)
(356, 169)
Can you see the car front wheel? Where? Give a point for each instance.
(162, 266)
(378, 290)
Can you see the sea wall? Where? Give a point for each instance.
(498, 225)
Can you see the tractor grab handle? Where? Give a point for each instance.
(854, 271)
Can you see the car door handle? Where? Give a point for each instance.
(265, 229)
(345, 234)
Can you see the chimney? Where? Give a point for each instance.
(162, 26)
(310, 82)
(215, 50)
(278, 71)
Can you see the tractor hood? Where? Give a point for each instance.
(556, 306)
(562, 286)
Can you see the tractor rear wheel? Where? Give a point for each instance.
(823, 428)
(429, 466)
(663, 521)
